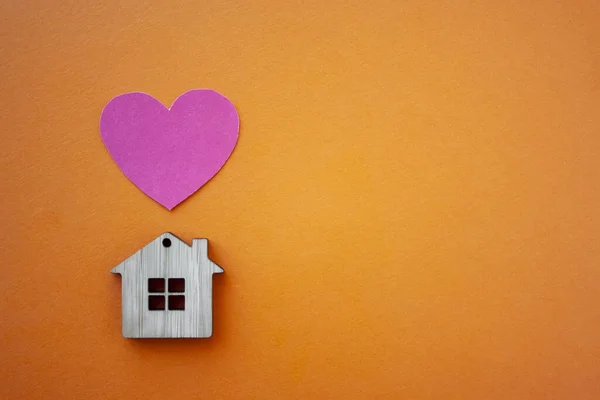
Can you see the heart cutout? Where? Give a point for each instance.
(170, 153)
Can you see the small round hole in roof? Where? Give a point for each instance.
(166, 242)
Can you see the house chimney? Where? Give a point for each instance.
(201, 245)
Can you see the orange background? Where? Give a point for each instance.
(411, 211)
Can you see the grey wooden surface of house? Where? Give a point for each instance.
(167, 289)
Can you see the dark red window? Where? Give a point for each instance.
(159, 292)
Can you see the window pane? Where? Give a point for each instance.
(177, 302)
(177, 285)
(156, 303)
(156, 285)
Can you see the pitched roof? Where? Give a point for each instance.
(168, 239)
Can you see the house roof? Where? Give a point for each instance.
(167, 240)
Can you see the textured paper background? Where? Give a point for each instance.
(411, 211)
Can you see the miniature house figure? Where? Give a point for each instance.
(167, 289)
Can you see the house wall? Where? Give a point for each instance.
(177, 261)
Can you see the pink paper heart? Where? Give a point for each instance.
(170, 153)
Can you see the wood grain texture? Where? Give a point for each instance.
(177, 260)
